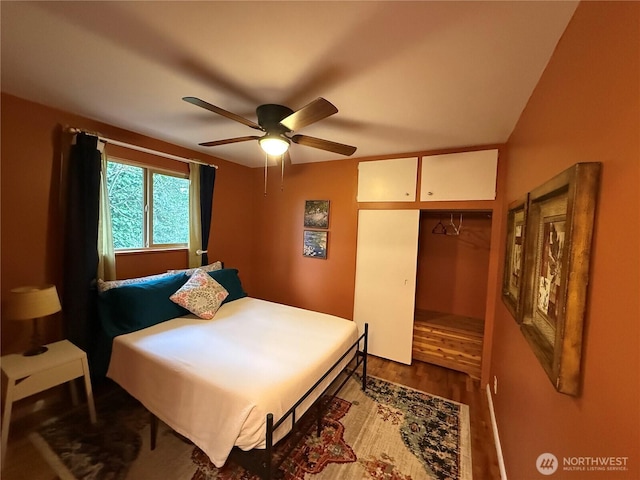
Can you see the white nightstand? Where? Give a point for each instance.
(26, 376)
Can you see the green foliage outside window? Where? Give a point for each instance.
(169, 210)
(125, 184)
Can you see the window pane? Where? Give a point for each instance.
(170, 209)
(125, 184)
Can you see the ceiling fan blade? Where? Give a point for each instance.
(221, 111)
(226, 141)
(311, 113)
(307, 141)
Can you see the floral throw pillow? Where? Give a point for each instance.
(201, 295)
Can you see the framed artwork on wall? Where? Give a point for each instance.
(512, 280)
(316, 214)
(315, 244)
(559, 230)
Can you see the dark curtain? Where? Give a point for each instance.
(207, 181)
(80, 243)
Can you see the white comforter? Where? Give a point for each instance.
(214, 381)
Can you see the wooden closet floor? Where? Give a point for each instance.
(448, 340)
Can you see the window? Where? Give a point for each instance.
(149, 208)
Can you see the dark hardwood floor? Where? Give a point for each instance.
(23, 462)
(455, 386)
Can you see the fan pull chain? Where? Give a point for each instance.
(266, 159)
(282, 174)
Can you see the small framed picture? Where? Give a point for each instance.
(315, 244)
(316, 214)
(514, 257)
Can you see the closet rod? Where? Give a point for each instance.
(140, 149)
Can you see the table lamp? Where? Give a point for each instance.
(32, 303)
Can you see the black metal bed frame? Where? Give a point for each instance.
(262, 461)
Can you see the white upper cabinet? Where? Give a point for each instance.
(459, 176)
(388, 180)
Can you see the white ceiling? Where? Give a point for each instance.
(405, 76)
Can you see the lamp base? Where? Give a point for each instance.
(40, 349)
(36, 342)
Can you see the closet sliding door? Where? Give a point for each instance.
(386, 261)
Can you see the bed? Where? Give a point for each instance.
(240, 381)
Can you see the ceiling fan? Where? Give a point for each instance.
(278, 122)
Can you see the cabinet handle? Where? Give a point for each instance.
(429, 193)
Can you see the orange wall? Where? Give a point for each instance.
(586, 107)
(282, 273)
(141, 263)
(453, 270)
(31, 232)
(260, 235)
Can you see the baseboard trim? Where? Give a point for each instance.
(496, 436)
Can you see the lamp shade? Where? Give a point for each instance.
(27, 303)
(274, 144)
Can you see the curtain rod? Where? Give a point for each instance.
(140, 149)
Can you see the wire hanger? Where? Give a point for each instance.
(450, 229)
(455, 230)
(439, 229)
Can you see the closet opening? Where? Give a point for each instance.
(451, 288)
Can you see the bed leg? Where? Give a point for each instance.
(154, 430)
(364, 353)
(267, 464)
(268, 449)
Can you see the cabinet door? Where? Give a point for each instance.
(388, 180)
(386, 280)
(459, 176)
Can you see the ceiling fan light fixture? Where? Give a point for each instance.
(274, 144)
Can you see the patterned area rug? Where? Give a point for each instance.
(390, 432)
